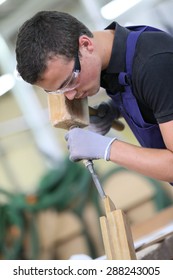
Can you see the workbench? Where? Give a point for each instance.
(163, 248)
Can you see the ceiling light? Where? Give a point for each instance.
(7, 82)
(2, 1)
(117, 7)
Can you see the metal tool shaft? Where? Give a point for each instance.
(90, 166)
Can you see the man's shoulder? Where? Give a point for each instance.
(155, 41)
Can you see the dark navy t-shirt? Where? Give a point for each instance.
(152, 76)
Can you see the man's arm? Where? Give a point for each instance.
(155, 163)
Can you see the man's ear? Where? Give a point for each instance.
(86, 42)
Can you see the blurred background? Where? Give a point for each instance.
(36, 177)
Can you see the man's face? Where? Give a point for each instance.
(61, 76)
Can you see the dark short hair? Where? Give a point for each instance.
(46, 34)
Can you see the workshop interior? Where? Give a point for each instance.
(49, 206)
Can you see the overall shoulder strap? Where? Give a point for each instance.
(131, 43)
(125, 77)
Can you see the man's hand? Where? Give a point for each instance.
(106, 113)
(84, 144)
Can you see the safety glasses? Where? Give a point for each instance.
(72, 82)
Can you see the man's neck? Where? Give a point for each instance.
(104, 42)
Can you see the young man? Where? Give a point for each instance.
(134, 65)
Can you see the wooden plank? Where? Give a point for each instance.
(64, 113)
(159, 220)
(108, 205)
(109, 250)
(154, 230)
(116, 233)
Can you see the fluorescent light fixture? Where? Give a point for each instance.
(2, 1)
(117, 7)
(7, 82)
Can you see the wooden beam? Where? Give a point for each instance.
(116, 233)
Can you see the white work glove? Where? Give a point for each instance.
(85, 144)
(106, 113)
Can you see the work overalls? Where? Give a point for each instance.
(147, 134)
